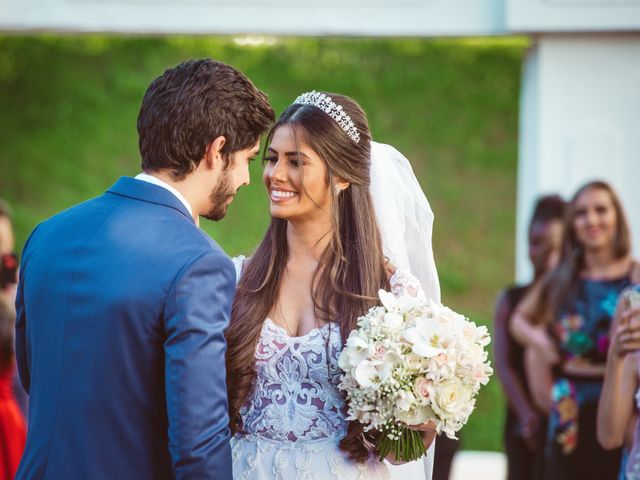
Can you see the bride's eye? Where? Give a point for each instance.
(270, 159)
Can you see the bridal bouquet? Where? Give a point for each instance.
(412, 361)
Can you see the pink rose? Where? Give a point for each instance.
(442, 359)
(421, 388)
(379, 350)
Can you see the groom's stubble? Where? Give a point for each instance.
(220, 197)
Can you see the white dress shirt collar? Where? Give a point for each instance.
(156, 181)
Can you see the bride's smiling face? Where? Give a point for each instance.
(289, 164)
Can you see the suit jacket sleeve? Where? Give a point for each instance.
(196, 314)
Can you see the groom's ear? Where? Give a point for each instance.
(213, 153)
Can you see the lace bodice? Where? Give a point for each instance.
(295, 396)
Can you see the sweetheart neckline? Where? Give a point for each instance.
(283, 331)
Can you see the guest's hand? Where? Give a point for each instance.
(626, 336)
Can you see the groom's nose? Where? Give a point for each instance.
(246, 177)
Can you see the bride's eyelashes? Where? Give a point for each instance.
(293, 161)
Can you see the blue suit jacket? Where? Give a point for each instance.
(121, 310)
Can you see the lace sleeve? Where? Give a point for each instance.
(238, 262)
(404, 283)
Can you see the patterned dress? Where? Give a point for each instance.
(582, 334)
(295, 415)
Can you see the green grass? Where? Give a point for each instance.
(68, 108)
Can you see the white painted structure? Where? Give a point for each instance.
(579, 121)
(291, 17)
(580, 105)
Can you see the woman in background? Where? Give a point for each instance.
(524, 426)
(566, 320)
(13, 432)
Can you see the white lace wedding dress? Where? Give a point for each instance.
(295, 414)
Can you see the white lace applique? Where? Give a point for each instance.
(296, 396)
(403, 283)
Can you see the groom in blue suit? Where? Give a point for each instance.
(123, 301)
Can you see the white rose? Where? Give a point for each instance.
(414, 362)
(416, 415)
(452, 398)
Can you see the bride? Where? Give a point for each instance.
(319, 267)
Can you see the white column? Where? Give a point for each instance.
(579, 121)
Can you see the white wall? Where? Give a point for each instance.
(572, 15)
(289, 17)
(579, 120)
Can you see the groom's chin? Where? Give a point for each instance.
(216, 214)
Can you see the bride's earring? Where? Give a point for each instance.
(337, 190)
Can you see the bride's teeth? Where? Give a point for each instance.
(282, 194)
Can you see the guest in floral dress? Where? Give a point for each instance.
(566, 321)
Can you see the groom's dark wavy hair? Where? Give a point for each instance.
(192, 104)
(350, 272)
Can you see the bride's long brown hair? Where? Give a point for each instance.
(350, 271)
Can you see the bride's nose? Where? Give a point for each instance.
(279, 172)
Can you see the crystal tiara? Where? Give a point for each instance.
(331, 108)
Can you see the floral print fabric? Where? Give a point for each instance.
(582, 334)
